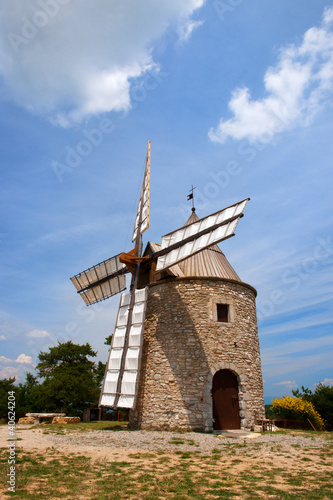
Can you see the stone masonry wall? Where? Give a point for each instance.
(184, 346)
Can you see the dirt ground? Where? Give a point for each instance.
(288, 460)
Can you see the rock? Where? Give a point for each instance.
(26, 420)
(66, 420)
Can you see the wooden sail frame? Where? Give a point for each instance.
(121, 397)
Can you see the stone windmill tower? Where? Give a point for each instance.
(201, 364)
(185, 350)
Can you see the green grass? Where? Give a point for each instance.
(187, 442)
(175, 440)
(82, 427)
(152, 478)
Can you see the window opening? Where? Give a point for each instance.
(222, 313)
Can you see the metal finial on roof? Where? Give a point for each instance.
(191, 197)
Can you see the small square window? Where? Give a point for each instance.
(222, 313)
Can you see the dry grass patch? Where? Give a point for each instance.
(231, 470)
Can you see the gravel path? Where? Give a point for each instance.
(105, 442)
(190, 441)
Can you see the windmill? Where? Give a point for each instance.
(121, 380)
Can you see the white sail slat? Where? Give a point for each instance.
(132, 358)
(144, 201)
(129, 383)
(122, 315)
(88, 282)
(224, 230)
(115, 359)
(126, 401)
(107, 400)
(131, 371)
(111, 380)
(119, 336)
(105, 290)
(135, 336)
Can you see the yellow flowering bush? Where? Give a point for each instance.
(297, 409)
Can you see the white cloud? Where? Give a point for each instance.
(187, 28)
(298, 365)
(297, 357)
(37, 334)
(288, 384)
(79, 57)
(297, 88)
(328, 15)
(15, 367)
(10, 327)
(294, 325)
(327, 381)
(18, 371)
(2, 337)
(298, 346)
(3, 359)
(9, 372)
(63, 235)
(23, 358)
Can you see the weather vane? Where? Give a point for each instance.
(191, 197)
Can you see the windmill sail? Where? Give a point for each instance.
(191, 239)
(144, 202)
(101, 281)
(123, 369)
(130, 349)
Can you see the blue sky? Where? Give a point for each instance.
(236, 98)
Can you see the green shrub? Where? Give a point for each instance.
(322, 400)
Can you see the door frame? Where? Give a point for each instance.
(242, 392)
(235, 417)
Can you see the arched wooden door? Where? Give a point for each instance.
(225, 401)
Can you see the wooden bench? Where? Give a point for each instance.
(265, 423)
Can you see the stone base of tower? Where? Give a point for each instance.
(185, 347)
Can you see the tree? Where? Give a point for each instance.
(305, 393)
(99, 373)
(108, 339)
(6, 386)
(27, 395)
(322, 400)
(65, 355)
(71, 380)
